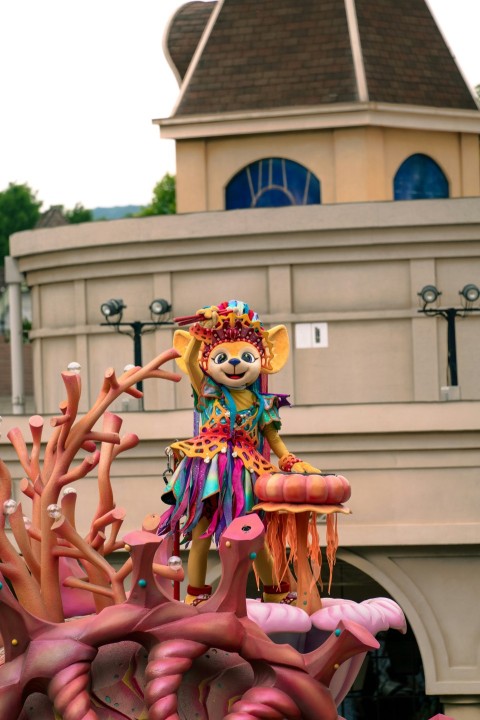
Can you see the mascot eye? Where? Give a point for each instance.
(220, 358)
(248, 357)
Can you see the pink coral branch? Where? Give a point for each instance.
(72, 382)
(103, 437)
(51, 450)
(114, 518)
(108, 394)
(38, 486)
(15, 436)
(128, 441)
(112, 378)
(22, 538)
(63, 528)
(79, 584)
(69, 500)
(89, 446)
(134, 392)
(60, 420)
(79, 471)
(26, 487)
(111, 423)
(67, 551)
(36, 428)
(112, 544)
(116, 514)
(13, 566)
(5, 485)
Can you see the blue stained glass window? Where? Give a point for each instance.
(274, 197)
(419, 177)
(272, 182)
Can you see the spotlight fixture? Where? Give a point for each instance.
(429, 294)
(470, 293)
(111, 308)
(159, 306)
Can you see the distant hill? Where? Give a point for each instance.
(115, 213)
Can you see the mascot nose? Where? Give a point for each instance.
(234, 362)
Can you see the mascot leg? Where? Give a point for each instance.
(272, 592)
(197, 564)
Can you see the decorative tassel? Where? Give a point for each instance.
(332, 545)
(276, 540)
(314, 551)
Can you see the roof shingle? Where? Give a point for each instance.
(186, 29)
(273, 53)
(269, 54)
(405, 56)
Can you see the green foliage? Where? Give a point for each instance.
(163, 201)
(79, 214)
(19, 210)
(477, 90)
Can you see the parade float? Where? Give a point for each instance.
(86, 640)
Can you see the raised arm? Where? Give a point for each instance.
(191, 363)
(189, 346)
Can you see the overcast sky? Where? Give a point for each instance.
(81, 82)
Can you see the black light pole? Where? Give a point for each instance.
(113, 308)
(470, 294)
(450, 315)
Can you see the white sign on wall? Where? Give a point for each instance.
(311, 335)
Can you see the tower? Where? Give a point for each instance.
(348, 89)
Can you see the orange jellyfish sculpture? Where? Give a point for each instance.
(293, 503)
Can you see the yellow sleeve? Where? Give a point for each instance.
(191, 361)
(275, 441)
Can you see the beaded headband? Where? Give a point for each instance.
(235, 322)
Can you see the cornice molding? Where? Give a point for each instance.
(324, 117)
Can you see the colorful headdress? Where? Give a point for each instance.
(235, 322)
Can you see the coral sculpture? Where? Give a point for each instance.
(142, 654)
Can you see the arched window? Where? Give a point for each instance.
(419, 177)
(272, 182)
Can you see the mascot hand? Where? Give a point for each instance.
(304, 467)
(210, 316)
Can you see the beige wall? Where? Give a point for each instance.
(357, 267)
(353, 164)
(367, 405)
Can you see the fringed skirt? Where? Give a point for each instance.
(220, 490)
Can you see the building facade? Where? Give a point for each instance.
(325, 175)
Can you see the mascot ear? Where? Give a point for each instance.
(278, 336)
(181, 341)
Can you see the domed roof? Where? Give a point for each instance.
(269, 54)
(184, 32)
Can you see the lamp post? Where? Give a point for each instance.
(114, 308)
(469, 294)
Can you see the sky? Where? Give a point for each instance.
(82, 81)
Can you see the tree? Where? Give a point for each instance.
(163, 201)
(79, 214)
(19, 210)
